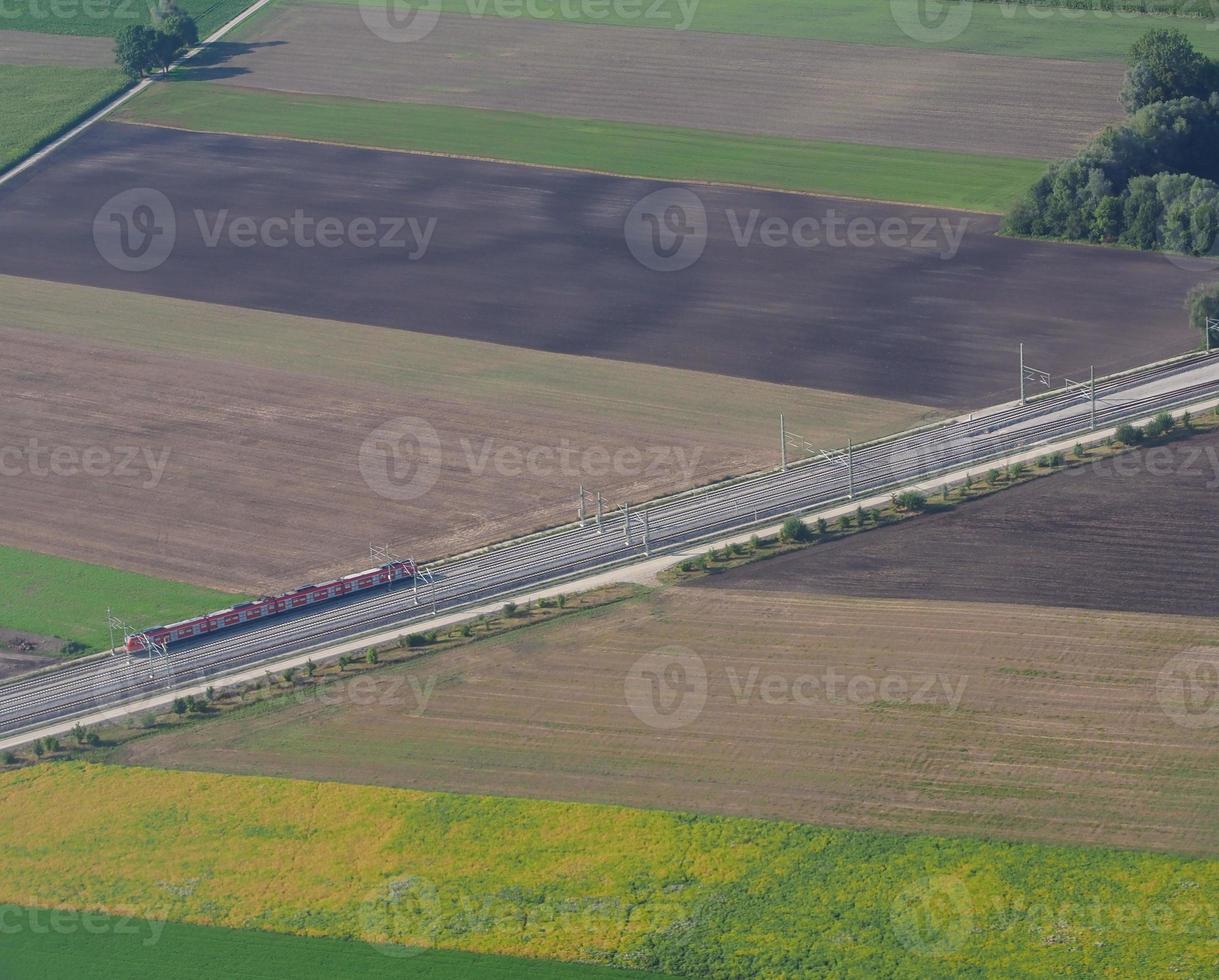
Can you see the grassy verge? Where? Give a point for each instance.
(696, 896)
(969, 182)
(59, 597)
(149, 950)
(1029, 30)
(38, 102)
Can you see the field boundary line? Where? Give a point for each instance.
(123, 97)
(731, 185)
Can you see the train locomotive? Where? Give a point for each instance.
(275, 605)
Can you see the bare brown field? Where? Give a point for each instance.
(1135, 532)
(936, 717)
(28, 48)
(255, 424)
(538, 258)
(908, 97)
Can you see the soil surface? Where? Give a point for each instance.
(909, 97)
(1136, 532)
(926, 717)
(900, 307)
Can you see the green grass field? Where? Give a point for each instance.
(986, 28)
(688, 895)
(148, 950)
(39, 101)
(976, 183)
(104, 18)
(58, 597)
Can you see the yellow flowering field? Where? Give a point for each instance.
(690, 895)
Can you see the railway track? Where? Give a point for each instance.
(107, 684)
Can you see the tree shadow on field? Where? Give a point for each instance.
(212, 62)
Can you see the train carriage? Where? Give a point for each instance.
(268, 606)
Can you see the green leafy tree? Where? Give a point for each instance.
(1164, 65)
(1203, 305)
(911, 501)
(135, 50)
(182, 28)
(370, 656)
(794, 529)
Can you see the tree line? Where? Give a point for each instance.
(1149, 182)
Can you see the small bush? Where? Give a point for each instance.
(370, 656)
(993, 476)
(1015, 471)
(415, 640)
(755, 542)
(822, 525)
(844, 522)
(1079, 451)
(1128, 435)
(509, 609)
(10, 758)
(794, 529)
(910, 501)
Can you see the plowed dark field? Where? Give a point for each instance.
(1133, 533)
(538, 258)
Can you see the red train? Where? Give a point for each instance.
(275, 605)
